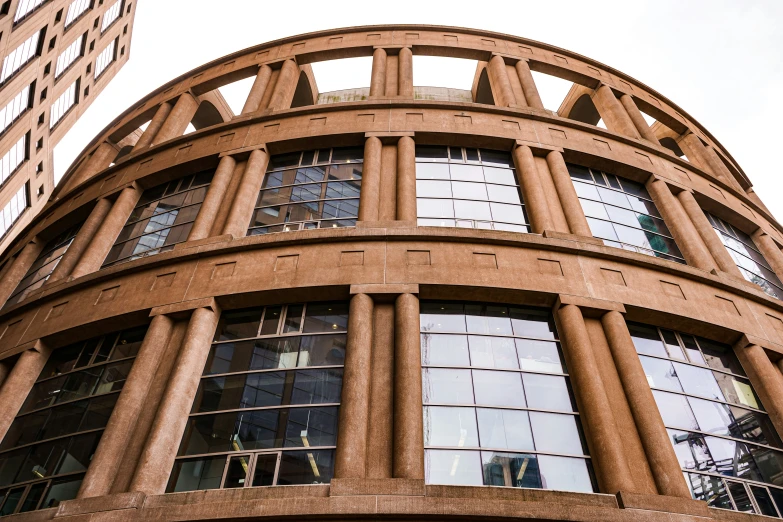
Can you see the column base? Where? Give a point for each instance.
(682, 506)
(382, 486)
(86, 506)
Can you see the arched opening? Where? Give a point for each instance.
(584, 110)
(484, 89)
(670, 144)
(303, 95)
(207, 115)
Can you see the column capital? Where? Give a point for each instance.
(393, 47)
(590, 306)
(183, 308)
(36, 345)
(539, 149)
(242, 153)
(394, 289)
(748, 340)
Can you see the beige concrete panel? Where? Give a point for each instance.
(387, 203)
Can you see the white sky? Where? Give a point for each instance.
(717, 59)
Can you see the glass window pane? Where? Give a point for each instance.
(741, 498)
(547, 392)
(311, 427)
(503, 194)
(450, 427)
(471, 210)
(432, 152)
(500, 176)
(264, 473)
(272, 316)
(236, 474)
(442, 386)
(764, 501)
(736, 390)
(672, 346)
(698, 381)
(517, 470)
(733, 458)
(433, 189)
(293, 318)
(488, 319)
(713, 417)
(317, 387)
(506, 429)
(465, 190)
(675, 411)
(444, 350)
(60, 491)
(306, 467)
(660, 374)
(565, 474)
(33, 497)
(322, 350)
(646, 340)
(709, 489)
(692, 349)
(594, 209)
(260, 389)
(466, 172)
(11, 501)
(556, 433)
(442, 317)
(432, 171)
(539, 356)
(434, 208)
(197, 474)
(238, 325)
(720, 357)
(691, 451)
(453, 467)
(602, 229)
(493, 352)
(508, 213)
(498, 388)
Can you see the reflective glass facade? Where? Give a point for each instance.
(469, 188)
(498, 409)
(747, 257)
(49, 445)
(621, 212)
(729, 451)
(162, 218)
(266, 409)
(310, 189)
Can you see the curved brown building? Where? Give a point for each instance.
(399, 302)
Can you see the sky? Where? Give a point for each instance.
(719, 60)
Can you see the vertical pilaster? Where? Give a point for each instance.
(532, 192)
(19, 382)
(566, 192)
(96, 252)
(378, 78)
(655, 440)
(685, 234)
(351, 454)
(247, 193)
(408, 412)
(770, 251)
(284, 87)
(81, 241)
(613, 113)
(406, 179)
(18, 269)
(160, 450)
(764, 377)
(532, 96)
(369, 199)
(606, 447)
(104, 464)
(405, 73)
(380, 432)
(498, 76)
(154, 127)
(637, 119)
(178, 119)
(257, 91)
(214, 198)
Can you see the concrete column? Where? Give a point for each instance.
(572, 209)
(369, 199)
(378, 78)
(696, 152)
(405, 73)
(284, 87)
(95, 254)
(257, 91)
(178, 119)
(81, 241)
(532, 97)
(160, 450)
(247, 194)
(657, 447)
(5, 369)
(682, 229)
(18, 269)
(720, 168)
(154, 127)
(638, 119)
(100, 160)
(214, 198)
(100, 475)
(406, 179)
(380, 432)
(613, 113)
(19, 383)
(769, 249)
(501, 87)
(708, 234)
(765, 379)
(606, 446)
(408, 412)
(351, 454)
(532, 192)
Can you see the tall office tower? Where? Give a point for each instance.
(57, 56)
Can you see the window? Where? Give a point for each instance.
(75, 10)
(105, 58)
(498, 409)
(69, 55)
(21, 56)
(162, 218)
(111, 14)
(310, 189)
(18, 105)
(747, 257)
(26, 7)
(621, 212)
(13, 159)
(64, 103)
(49, 445)
(469, 188)
(728, 449)
(266, 410)
(43, 267)
(14, 208)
